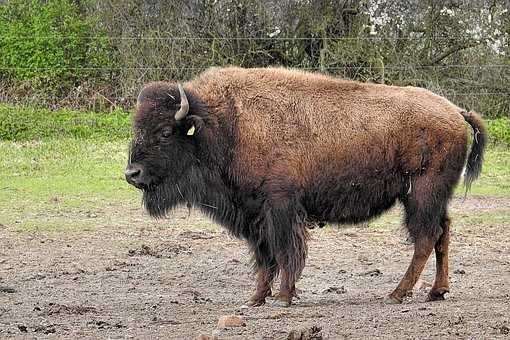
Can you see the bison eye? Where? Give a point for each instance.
(166, 133)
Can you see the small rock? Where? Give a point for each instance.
(459, 271)
(22, 328)
(227, 321)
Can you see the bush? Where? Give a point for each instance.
(24, 123)
(50, 45)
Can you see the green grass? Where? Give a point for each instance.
(46, 183)
(21, 123)
(495, 217)
(69, 184)
(18, 123)
(495, 178)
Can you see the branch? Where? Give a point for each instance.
(450, 51)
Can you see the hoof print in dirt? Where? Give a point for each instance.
(196, 296)
(196, 235)
(335, 290)
(105, 325)
(312, 333)
(230, 321)
(160, 251)
(505, 330)
(7, 289)
(49, 329)
(55, 308)
(372, 273)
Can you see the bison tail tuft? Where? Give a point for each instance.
(475, 158)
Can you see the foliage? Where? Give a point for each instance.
(50, 45)
(458, 49)
(25, 123)
(499, 130)
(447, 47)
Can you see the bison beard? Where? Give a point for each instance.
(273, 152)
(276, 234)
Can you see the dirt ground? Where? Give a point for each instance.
(174, 278)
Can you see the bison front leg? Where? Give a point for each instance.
(287, 290)
(264, 279)
(287, 237)
(266, 270)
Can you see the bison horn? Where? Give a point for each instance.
(183, 111)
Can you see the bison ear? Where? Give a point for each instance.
(192, 125)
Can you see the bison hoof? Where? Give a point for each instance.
(254, 303)
(392, 300)
(282, 301)
(437, 294)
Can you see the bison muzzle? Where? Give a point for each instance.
(267, 153)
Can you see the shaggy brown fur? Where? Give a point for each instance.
(275, 150)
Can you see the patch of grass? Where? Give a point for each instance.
(60, 184)
(21, 123)
(499, 130)
(49, 177)
(495, 177)
(393, 220)
(28, 124)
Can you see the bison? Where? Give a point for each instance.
(268, 152)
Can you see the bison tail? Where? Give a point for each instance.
(475, 158)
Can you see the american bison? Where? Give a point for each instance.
(267, 152)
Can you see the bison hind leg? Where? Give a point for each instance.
(428, 226)
(441, 284)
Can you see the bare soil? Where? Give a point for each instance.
(175, 278)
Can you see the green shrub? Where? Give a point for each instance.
(49, 44)
(499, 130)
(22, 123)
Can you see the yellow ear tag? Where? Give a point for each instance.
(191, 131)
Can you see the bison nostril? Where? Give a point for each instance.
(133, 174)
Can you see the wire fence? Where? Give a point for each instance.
(460, 82)
(276, 37)
(402, 67)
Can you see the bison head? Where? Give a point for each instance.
(162, 156)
